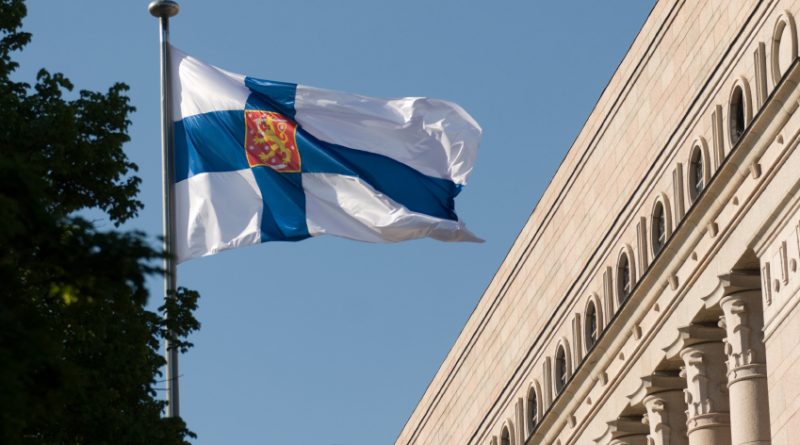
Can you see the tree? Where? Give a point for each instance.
(79, 351)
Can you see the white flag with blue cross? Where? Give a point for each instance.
(259, 160)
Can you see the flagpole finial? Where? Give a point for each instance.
(163, 8)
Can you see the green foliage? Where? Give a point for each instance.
(79, 353)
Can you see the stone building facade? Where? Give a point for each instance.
(652, 297)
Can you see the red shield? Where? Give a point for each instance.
(270, 141)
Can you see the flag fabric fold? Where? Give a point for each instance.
(259, 160)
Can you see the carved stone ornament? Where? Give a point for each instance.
(706, 389)
(743, 321)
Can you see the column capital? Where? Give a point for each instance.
(654, 384)
(706, 390)
(692, 335)
(743, 320)
(623, 430)
(666, 417)
(733, 283)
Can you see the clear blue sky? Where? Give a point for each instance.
(330, 341)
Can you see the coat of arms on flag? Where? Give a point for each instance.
(270, 141)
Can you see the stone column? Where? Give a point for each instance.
(666, 417)
(739, 296)
(661, 396)
(708, 418)
(700, 350)
(747, 368)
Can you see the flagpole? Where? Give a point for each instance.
(163, 10)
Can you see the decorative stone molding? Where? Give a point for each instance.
(624, 431)
(691, 335)
(656, 383)
(765, 279)
(779, 252)
(784, 37)
(732, 283)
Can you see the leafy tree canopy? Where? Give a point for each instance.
(79, 352)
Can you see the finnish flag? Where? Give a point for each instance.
(258, 161)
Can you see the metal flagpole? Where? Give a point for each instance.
(164, 9)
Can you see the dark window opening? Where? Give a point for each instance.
(659, 229)
(737, 116)
(505, 438)
(533, 410)
(696, 174)
(561, 370)
(623, 279)
(590, 331)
